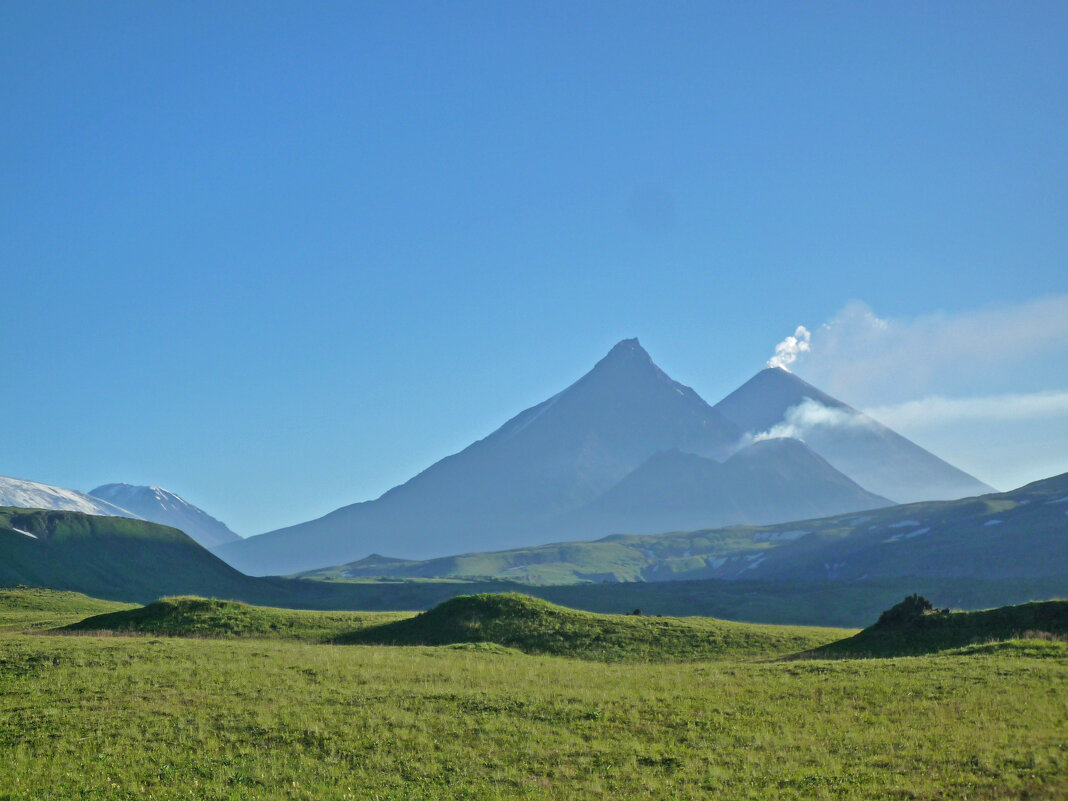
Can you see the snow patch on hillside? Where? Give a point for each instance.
(25, 494)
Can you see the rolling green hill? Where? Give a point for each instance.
(1018, 534)
(114, 718)
(908, 629)
(535, 626)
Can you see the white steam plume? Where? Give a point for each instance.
(787, 351)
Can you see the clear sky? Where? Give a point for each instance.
(279, 257)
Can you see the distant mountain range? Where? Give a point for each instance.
(626, 449)
(154, 504)
(946, 551)
(1011, 535)
(162, 506)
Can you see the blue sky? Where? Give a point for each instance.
(279, 257)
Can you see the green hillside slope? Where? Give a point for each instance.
(108, 557)
(1018, 534)
(133, 561)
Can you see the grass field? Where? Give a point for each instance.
(268, 716)
(29, 608)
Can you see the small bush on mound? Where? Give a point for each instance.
(908, 611)
(535, 626)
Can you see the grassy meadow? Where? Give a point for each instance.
(267, 715)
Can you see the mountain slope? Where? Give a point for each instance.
(877, 458)
(164, 507)
(513, 486)
(34, 495)
(767, 482)
(1022, 534)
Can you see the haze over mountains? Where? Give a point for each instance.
(1016, 535)
(768, 481)
(623, 449)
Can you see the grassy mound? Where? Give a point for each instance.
(27, 608)
(535, 626)
(208, 617)
(930, 631)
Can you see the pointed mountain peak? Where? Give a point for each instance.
(627, 350)
(782, 376)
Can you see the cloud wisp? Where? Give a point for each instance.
(937, 410)
(871, 361)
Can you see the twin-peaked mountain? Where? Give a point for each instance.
(623, 449)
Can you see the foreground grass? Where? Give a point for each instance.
(144, 718)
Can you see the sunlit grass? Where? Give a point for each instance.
(149, 718)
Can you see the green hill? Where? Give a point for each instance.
(535, 626)
(911, 629)
(108, 557)
(209, 617)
